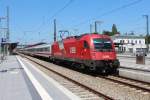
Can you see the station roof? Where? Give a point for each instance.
(36, 44)
(10, 43)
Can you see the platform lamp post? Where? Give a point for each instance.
(7, 29)
(147, 31)
(91, 27)
(4, 43)
(4, 50)
(97, 22)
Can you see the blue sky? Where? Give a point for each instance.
(31, 21)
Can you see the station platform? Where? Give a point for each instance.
(131, 55)
(129, 68)
(131, 63)
(20, 80)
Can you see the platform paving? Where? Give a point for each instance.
(131, 55)
(20, 80)
(56, 91)
(129, 68)
(14, 84)
(131, 63)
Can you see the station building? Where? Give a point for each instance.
(129, 43)
(6, 48)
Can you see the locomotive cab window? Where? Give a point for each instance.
(86, 46)
(102, 44)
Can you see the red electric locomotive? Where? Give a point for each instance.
(93, 51)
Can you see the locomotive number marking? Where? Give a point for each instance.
(72, 50)
(106, 56)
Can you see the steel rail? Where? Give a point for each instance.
(127, 84)
(135, 69)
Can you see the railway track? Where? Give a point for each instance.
(83, 91)
(139, 85)
(93, 88)
(135, 69)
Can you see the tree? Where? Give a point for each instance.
(106, 32)
(147, 39)
(114, 30)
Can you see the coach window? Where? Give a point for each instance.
(46, 49)
(86, 45)
(43, 49)
(120, 41)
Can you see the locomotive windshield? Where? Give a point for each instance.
(102, 44)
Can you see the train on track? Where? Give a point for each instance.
(94, 52)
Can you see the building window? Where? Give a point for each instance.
(135, 41)
(139, 41)
(120, 41)
(124, 49)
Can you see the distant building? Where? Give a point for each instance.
(129, 43)
(7, 48)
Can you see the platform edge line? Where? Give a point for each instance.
(42, 92)
(60, 87)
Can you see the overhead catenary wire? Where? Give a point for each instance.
(81, 23)
(55, 14)
(61, 9)
(41, 26)
(110, 12)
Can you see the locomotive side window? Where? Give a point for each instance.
(102, 44)
(86, 45)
